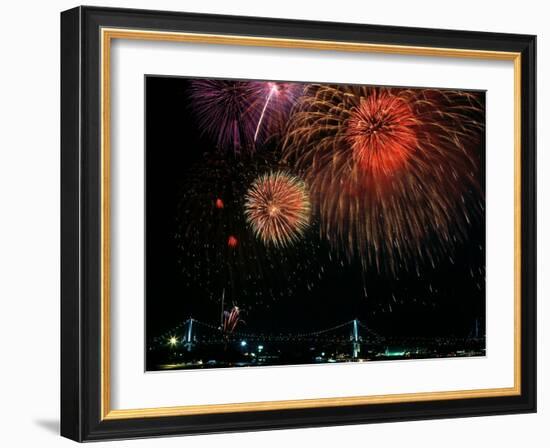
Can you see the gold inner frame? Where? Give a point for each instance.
(107, 35)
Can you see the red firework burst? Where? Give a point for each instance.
(277, 208)
(394, 173)
(381, 132)
(232, 241)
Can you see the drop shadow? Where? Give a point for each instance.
(49, 425)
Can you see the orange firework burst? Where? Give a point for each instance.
(394, 173)
(277, 208)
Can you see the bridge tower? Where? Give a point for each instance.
(188, 338)
(355, 339)
(475, 330)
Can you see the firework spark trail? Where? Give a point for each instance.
(272, 90)
(277, 208)
(393, 173)
(280, 98)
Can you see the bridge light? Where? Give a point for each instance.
(243, 343)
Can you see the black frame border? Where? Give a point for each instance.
(81, 223)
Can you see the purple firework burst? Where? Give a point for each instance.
(238, 115)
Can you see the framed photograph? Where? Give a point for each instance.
(274, 224)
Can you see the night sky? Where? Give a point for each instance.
(306, 286)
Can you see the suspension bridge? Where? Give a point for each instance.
(193, 341)
(193, 332)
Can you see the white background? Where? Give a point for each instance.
(29, 236)
(133, 388)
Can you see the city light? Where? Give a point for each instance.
(243, 343)
(173, 341)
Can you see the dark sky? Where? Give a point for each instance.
(183, 167)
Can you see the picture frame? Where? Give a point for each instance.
(87, 35)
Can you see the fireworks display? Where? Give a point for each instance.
(277, 208)
(298, 206)
(393, 173)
